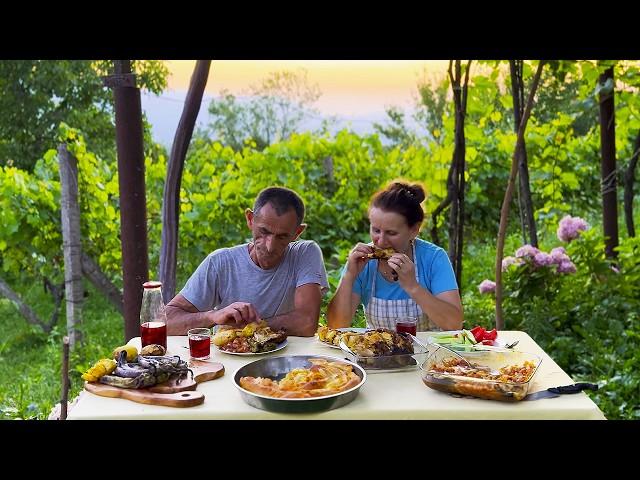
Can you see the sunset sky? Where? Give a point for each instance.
(348, 86)
(355, 91)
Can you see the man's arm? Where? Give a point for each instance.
(303, 320)
(182, 315)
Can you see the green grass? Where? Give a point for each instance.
(31, 380)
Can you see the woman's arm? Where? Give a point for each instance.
(344, 304)
(444, 309)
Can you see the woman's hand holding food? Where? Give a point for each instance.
(357, 258)
(405, 269)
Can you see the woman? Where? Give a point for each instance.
(426, 286)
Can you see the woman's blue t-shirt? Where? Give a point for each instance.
(435, 273)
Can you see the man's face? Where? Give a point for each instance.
(272, 233)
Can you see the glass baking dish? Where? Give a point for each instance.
(443, 371)
(389, 362)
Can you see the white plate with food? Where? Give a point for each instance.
(462, 341)
(256, 338)
(331, 337)
(279, 346)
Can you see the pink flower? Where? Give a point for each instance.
(559, 255)
(542, 259)
(487, 286)
(508, 261)
(567, 267)
(615, 269)
(527, 251)
(570, 227)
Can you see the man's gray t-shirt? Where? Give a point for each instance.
(229, 275)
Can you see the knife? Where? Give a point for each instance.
(565, 389)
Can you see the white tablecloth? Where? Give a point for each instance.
(398, 395)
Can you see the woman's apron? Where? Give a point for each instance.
(383, 313)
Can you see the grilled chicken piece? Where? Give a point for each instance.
(381, 253)
(264, 335)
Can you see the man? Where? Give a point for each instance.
(275, 277)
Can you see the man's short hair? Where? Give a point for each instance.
(282, 200)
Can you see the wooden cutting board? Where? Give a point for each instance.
(169, 394)
(180, 399)
(202, 372)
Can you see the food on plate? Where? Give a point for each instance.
(380, 341)
(453, 375)
(102, 367)
(464, 340)
(330, 336)
(381, 349)
(486, 337)
(321, 379)
(153, 350)
(146, 372)
(256, 337)
(132, 370)
(222, 337)
(509, 374)
(381, 253)
(132, 352)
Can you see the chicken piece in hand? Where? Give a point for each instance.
(381, 253)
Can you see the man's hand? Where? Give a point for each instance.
(238, 313)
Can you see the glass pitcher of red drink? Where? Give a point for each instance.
(153, 318)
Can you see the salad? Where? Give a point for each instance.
(465, 340)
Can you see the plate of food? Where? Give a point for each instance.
(504, 375)
(383, 350)
(331, 336)
(467, 341)
(231, 351)
(299, 383)
(257, 338)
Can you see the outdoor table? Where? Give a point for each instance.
(395, 395)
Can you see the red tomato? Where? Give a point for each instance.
(490, 335)
(488, 342)
(478, 333)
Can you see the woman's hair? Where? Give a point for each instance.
(402, 198)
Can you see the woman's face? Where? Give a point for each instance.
(390, 229)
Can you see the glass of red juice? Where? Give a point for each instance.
(199, 343)
(407, 325)
(153, 333)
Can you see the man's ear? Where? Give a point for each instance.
(299, 230)
(248, 213)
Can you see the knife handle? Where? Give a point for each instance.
(578, 387)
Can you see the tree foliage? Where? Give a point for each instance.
(39, 94)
